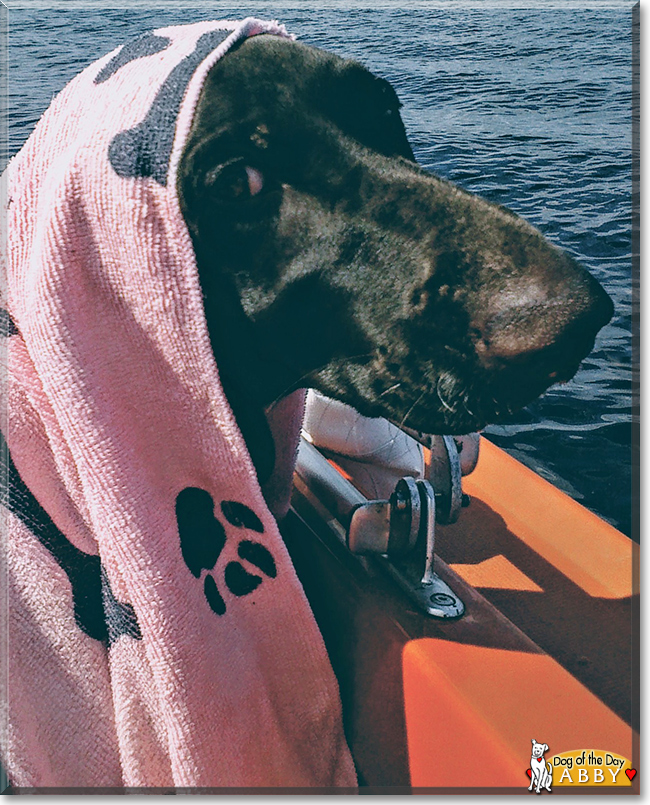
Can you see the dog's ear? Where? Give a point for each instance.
(545, 747)
(365, 107)
(534, 742)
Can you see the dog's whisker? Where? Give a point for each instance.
(441, 398)
(410, 411)
(466, 406)
(297, 384)
(392, 388)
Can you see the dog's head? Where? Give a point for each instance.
(330, 259)
(538, 749)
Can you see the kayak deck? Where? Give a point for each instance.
(545, 649)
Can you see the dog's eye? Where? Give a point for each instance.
(234, 181)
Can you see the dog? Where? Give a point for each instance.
(542, 774)
(329, 259)
(143, 566)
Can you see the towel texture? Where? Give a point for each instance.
(156, 633)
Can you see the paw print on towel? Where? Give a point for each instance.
(203, 538)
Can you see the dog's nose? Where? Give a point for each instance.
(551, 324)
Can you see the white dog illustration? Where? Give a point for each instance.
(541, 776)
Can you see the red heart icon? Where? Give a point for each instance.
(529, 773)
(631, 773)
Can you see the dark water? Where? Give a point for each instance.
(526, 104)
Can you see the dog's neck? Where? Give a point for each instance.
(253, 376)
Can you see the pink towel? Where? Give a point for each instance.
(155, 631)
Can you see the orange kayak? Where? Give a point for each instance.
(546, 650)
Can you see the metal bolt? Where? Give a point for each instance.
(442, 599)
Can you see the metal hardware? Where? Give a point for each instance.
(444, 454)
(398, 533)
(444, 472)
(369, 529)
(387, 526)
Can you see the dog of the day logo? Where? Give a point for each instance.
(541, 772)
(578, 768)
